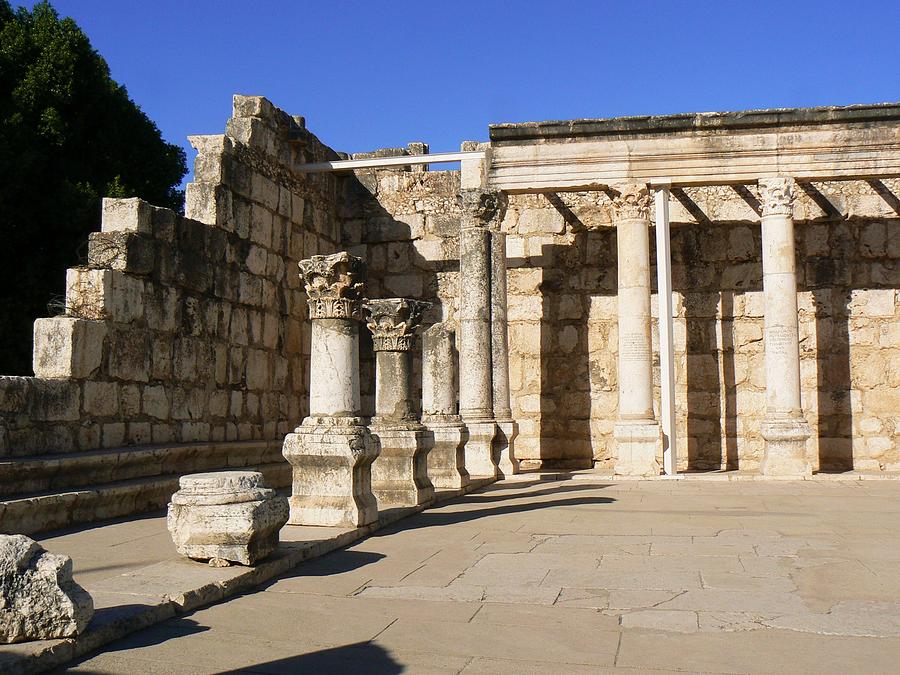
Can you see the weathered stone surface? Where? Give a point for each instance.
(226, 516)
(39, 600)
(332, 473)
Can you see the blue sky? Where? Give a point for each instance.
(373, 74)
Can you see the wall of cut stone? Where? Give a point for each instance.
(563, 306)
(186, 329)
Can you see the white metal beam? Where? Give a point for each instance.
(666, 333)
(381, 162)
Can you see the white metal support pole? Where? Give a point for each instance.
(666, 336)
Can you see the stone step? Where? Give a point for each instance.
(69, 490)
(49, 473)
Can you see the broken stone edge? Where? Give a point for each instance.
(36, 657)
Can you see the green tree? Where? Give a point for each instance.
(69, 135)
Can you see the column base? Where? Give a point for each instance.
(480, 458)
(785, 453)
(638, 445)
(331, 460)
(400, 474)
(504, 447)
(447, 459)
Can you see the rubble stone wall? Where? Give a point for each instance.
(561, 253)
(187, 329)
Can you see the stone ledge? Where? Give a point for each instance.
(135, 600)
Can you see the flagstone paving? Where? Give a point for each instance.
(577, 575)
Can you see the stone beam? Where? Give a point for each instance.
(706, 149)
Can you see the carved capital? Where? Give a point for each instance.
(776, 196)
(631, 201)
(393, 322)
(334, 285)
(482, 208)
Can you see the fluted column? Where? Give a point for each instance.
(482, 211)
(637, 433)
(331, 452)
(447, 459)
(400, 474)
(784, 429)
(507, 429)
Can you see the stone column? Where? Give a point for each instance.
(332, 451)
(482, 211)
(447, 459)
(507, 429)
(400, 474)
(637, 433)
(784, 429)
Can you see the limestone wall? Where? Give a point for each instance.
(563, 327)
(186, 329)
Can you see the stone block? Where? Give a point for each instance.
(101, 399)
(638, 448)
(447, 458)
(541, 221)
(155, 402)
(226, 517)
(209, 203)
(54, 400)
(786, 448)
(67, 347)
(102, 294)
(129, 354)
(126, 215)
(331, 461)
(39, 600)
(122, 251)
(400, 473)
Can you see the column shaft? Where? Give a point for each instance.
(475, 387)
(781, 330)
(393, 393)
(635, 346)
(499, 336)
(334, 360)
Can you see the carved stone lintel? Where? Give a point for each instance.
(393, 322)
(777, 196)
(482, 208)
(631, 201)
(334, 285)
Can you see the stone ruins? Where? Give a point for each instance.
(702, 292)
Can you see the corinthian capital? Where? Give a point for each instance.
(334, 285)
(393, 322)
(482, 208)
(777, 196)
(631, 201)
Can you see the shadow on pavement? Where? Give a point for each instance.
(361, 657)
(336, 562)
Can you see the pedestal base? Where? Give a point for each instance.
(504, 447)
(785, 453)
(638, 445)
(331, 461)
(400, 474)
(481, 460)
(447, 459)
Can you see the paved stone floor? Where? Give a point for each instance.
(573, 576)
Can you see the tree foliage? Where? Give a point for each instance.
(69, 135)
